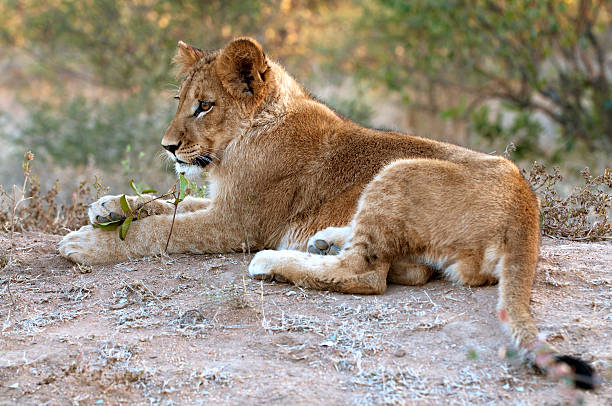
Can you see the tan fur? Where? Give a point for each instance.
(285, 167)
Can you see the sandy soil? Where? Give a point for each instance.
(196, 330)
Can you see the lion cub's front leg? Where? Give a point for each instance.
(108, 208)
(89, 245)
(201, 231)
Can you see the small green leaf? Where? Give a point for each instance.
(125, 227)
(124, 205)
(111, 225)
(134, 187)
(149, 191)
(183, 185)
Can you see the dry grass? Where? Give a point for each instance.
(398, 385)
(211, 376)
(112, 365)
(28, 208)
(584, 214)
(36, 324)
(349, 334)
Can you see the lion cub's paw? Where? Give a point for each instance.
(108, 208)
(329, 241)
(87, 245)
(262, 266)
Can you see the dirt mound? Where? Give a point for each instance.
(195, 329)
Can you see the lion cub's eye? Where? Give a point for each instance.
(203, 107)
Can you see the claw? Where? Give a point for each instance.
(281, 279)
(333, 250)
(321, 244)
(313, 250)
(115, 216)
(322, 247)
(263, 277)
(102, 219)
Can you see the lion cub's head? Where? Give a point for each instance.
(216, 101)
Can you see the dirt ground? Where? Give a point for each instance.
(189, 330)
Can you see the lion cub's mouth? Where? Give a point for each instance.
(201, 161)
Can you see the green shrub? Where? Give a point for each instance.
(78, 129)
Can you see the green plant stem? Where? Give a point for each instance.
(137, 210)
(171, 227)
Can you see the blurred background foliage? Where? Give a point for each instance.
(87, 85)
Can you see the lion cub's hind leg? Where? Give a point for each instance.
(330, 241)
(468, 269)
(348, 272)
(404, 271)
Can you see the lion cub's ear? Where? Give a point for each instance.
(242, 68)
(186, 57)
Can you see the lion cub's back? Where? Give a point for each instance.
(453, 205)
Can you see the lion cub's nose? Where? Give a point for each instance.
(172, 147)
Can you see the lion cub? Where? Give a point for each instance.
(284, 167)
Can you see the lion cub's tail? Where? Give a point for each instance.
(515, 281)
